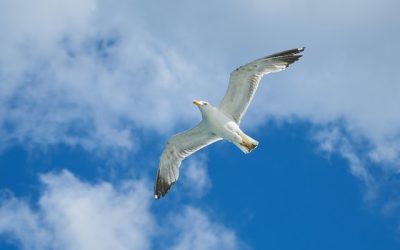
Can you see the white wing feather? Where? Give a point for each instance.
(244, 81)
(177, 148)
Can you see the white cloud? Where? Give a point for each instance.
(18, 222)
(71, 76)
(76, 215)
(73, 214)
(195, 176)
(332, 141)
(82, 216)
(201, 233)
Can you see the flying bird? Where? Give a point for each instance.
(220, 122)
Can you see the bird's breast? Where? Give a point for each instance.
(222, 125)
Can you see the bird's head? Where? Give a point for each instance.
(202, 105)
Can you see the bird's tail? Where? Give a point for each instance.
(247, 145)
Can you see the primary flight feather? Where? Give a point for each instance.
(220, 122)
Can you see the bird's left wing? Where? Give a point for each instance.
(177, 148)
(244, 81)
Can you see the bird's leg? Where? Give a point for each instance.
(243, 141)
(250, 146)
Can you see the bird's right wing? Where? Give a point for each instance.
(177, 148)
(244, 81)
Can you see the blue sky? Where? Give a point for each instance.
(91, 90)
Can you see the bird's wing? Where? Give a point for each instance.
(244, 81)
(177, 148)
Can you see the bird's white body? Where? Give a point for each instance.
(220, 122)
(223, 126)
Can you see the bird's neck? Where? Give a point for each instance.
(207, 113)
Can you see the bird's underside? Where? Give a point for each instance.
(220, 122)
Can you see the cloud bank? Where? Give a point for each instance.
(73, 214)
(91, 81)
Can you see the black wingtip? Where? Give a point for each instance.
(161, 187)
(290, 52)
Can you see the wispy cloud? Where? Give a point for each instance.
(76, 215)
(333, 141)
(201, 233)
(71, 76)
(18, 222)
(195, 176)
(73, 214)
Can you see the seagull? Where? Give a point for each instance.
(220, 122)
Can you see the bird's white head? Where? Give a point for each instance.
(202, 105)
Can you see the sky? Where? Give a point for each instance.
(91, 90)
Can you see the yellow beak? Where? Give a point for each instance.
(197, 103)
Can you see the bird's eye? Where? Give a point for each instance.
(205, 103)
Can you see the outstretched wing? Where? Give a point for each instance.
(177, 148)
(244, 81)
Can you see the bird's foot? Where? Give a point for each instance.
(249, 146)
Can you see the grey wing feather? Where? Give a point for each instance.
(244, 81)
(177, 148)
